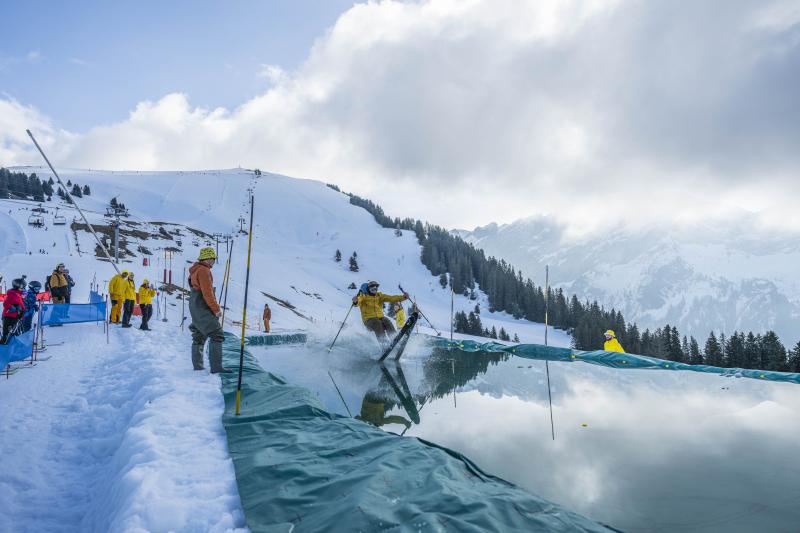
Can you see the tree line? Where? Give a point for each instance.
(463, 267)
(22, 186)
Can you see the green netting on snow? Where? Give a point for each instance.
(301, 468)
(601, 357)
(272, 340)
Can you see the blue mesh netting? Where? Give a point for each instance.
(18, 348)
(55, 314)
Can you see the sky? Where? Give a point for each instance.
(460, 112)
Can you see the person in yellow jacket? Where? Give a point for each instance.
(370, 303)
(116, 291)
(58, 285)
(146, 294)
(612, 344)
(399, 315)
(129, 298)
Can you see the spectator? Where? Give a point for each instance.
(146, 303)
(13, 309)
(267, 316)
(130, 301)
(58, 285)
(70, 284)
(31, 305)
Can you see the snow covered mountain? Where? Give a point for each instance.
(299, 225)
(723, 275)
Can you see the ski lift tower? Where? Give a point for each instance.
(116, 212)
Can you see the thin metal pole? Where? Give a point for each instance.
(340, 394)
(116, 241)
(183, 298)
(225, 276)
(546, 300)
(227, 285)
(452, 302)
(342, 326)
(244, 309)
(546, 363)
(107, 326)
(69, 196)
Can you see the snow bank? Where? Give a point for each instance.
(119, 437)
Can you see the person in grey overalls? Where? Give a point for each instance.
(205, 313)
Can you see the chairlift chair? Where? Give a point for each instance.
(59, 220)
(36, 220)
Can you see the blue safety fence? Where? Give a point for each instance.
(95, 297)
(18, 348)
(57, 314)
(604, 358)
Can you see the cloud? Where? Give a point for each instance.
(464, 112)
(78, 61)
(32, 56)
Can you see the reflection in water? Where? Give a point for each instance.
(641, 450)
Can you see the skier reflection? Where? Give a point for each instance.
(377, 403)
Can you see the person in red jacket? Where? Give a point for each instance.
(13, 309)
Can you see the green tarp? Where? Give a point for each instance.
(601, 357)
(301, 468)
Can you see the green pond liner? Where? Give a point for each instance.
(302, 468)
(604, 358)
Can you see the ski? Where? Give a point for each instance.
(404, 334)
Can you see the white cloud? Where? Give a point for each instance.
(466, 111)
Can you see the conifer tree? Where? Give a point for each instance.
(353, 263)
(695, 357)
(713, 351)
(337, 256)
(516, 338)
(794, 359)
(86, 190)
(443, 280)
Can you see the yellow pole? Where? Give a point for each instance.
(244, 309)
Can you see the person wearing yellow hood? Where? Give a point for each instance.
(129, 298)
(370, 303)
(612, 344)
(146, 294)
(116, 291)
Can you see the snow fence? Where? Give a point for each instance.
(18, 348)
(302, 468)
(57, 314)
(602, 357)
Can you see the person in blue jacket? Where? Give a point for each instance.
(31, 304)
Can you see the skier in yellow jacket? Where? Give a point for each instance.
(116, 291)
(129, 298)
(612, 344)
(370, 303)
(399, 315)
(146, 294)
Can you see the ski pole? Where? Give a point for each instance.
(341, 327)
(438, 333)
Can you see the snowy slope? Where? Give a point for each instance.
(721, 275)
(125, 436)
(298, 226)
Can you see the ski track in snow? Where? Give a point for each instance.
(117, 437)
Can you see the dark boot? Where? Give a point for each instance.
(215, 352)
